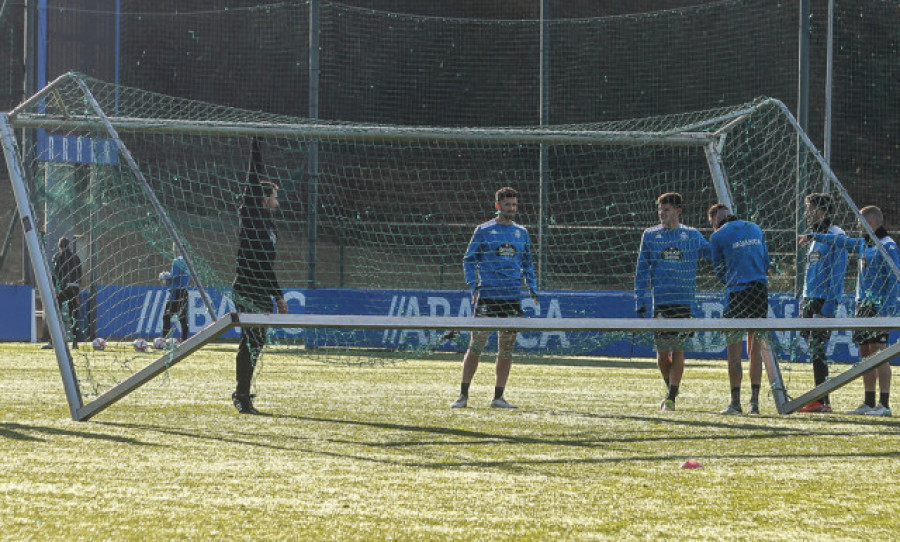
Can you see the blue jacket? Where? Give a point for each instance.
(667, 265)
(876, 282)
(180, 276)
(498, 261)
(740, 255)
(826, 265)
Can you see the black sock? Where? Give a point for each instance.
(498, 392)
(885, 400)
(870, 399)
(673, 392)
(736, 396)
(666, 380)
(754, 393)
(464, 389)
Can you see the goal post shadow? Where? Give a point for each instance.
(784, 404)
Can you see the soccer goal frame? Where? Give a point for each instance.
(710, 135)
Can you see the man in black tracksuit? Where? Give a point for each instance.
(255, 284)
(67, 278)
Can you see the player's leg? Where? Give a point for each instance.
(883, 374)
(182, 313)
(735, 376)
(506, 340)
(73, 310)
(470, 366)
(168, 311)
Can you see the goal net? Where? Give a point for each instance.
(373, 222)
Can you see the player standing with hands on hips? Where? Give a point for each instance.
(255, 285)
(497, 263)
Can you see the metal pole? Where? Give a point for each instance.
(312, 195)
(544, 166)
(829, 71)
(803, 64)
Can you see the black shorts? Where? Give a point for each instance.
(811, 307)
(869, 336)
(751, 302)
(671, 340)
(178, 303)
(499, 308)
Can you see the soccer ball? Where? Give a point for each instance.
(159, 343)
(140, 345)
(171, 343)
(99, 343)
(165, 278)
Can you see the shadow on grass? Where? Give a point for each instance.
(19, 431)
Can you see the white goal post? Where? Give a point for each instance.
(60, 109)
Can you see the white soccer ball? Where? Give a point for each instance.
(165, 278)
(99, 343)
(171, 343)
(159, 343)
(140, 345)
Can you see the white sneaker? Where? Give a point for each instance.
(861, 409)
(462, 402)
(879, 410)
(501, 403)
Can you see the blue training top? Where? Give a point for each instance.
(876, 282)
(826, 265)
(740, 255)
(667, 264)
(498, 260)
(180, 276)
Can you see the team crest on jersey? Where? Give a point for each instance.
(683, 235)
(671, 253)
(506, 251)
(814, 256)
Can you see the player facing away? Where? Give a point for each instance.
(741, 261)
(823, 287)
(877, 288)
(255, 284)
(177, 304)
(497, 263)
(667, 270)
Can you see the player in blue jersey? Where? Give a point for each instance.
(667, 269)
(741, 261)
(877, 289)
(823, 287)
(497, 265)
(177, 304)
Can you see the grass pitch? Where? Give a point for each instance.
(373, 453)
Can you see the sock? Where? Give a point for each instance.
(870, 399)
(736, 396)
(673, 392)
(754, 393)
(666, 380)
(885, 400)
(498, 392)
(464, 389)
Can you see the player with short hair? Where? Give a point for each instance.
(177, 280)
(877, 290)
(823, 287)
(255, 284)
(741, 261)
(667, 270)
(496, 265)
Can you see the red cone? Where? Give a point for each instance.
(691, 464)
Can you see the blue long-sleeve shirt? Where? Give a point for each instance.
(740, 255)
(180, 277)
(497, 261)
(826, 265)
(667, 265)
(876, 282)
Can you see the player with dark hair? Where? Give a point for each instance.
(497, 263)
(255, 284)
(741, 261)
(177, 279)
(67, 280)
(877, 289)
(667, 268)
(823, 287)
